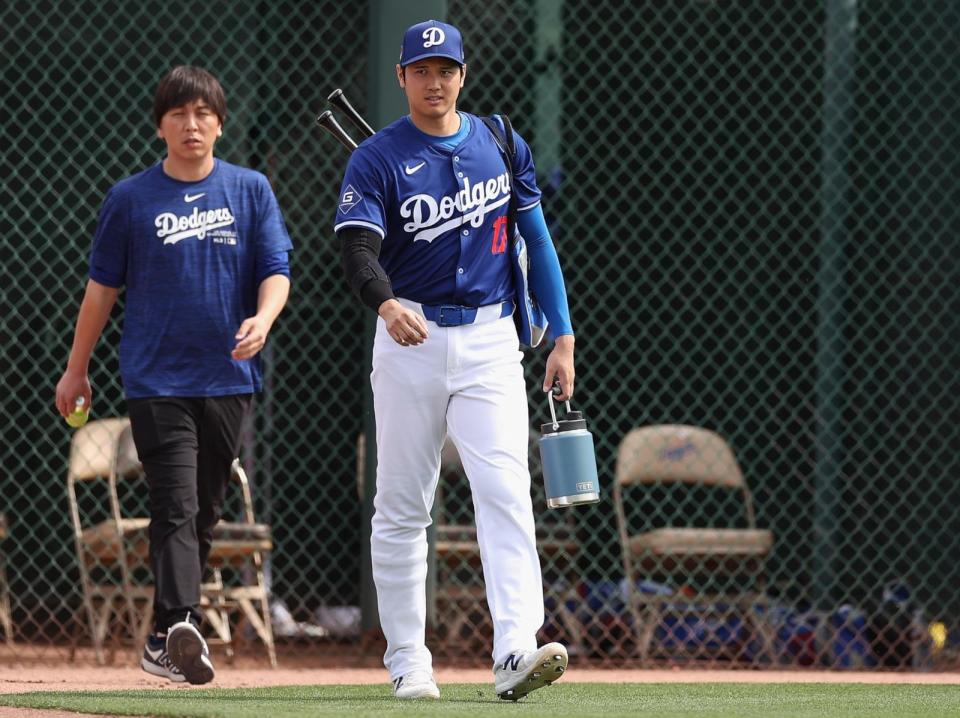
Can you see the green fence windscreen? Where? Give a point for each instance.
(756, 209)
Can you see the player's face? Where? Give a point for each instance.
(432, 86)
(190, 131)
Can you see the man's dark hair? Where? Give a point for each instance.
(186, 83)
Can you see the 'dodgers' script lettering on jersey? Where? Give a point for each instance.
(430, 218)
(171, 228)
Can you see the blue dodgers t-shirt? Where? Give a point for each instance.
(191, 256)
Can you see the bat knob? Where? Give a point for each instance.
(335, 93)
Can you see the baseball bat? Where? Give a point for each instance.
(328, 122)
(339, 100)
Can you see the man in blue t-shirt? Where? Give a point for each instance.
(423, 224)
(201, 249)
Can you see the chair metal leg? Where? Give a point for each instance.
(217, 613)
(5, 613)
(652, 613)
(267, 622)
(763, 630)
(570, 620)
(644, 621)
(91, 616)
(128, 598)
(99, 628)
(144, 627)
(261, 625)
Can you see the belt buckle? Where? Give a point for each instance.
(455, 314)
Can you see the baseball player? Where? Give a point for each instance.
(202, 251)
(422, 222)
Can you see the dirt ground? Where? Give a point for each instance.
(74, 678)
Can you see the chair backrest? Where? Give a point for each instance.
(101, 447)
(676, 453)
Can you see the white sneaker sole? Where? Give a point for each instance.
(430, 691)
(155, 670)
(188, 652)
(432, 694)
(549, 666)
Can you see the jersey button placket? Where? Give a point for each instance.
(465, 233)
(454, 359)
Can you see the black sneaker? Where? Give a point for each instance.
(189, 653)
(155, 660)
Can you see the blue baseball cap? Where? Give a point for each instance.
(431, 39)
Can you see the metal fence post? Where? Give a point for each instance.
(388, 20)
(839, 58)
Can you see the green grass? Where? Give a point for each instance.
(663, 700)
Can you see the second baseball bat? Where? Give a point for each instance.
(338, 99)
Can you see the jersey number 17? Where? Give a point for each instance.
(499, 235)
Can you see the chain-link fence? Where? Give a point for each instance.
(755, 205)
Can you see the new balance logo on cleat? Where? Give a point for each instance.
(156, 662)
(523, 672)
(416, 684)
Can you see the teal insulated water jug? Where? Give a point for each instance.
(569, 461)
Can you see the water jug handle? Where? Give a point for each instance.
(555, 389)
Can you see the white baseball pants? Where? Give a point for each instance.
(466, 381)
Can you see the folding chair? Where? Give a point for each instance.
(113, 544)
(110, 547)
(238, 551)
(714, 540)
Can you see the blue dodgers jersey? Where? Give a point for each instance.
(187, 254)
(442, 213)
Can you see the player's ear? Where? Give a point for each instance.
(401, 77)
(463, 73)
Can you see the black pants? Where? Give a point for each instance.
(186, 446)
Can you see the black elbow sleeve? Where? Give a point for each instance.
(359, 252)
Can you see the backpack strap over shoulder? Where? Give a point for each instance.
(508, 131)
(502, 131)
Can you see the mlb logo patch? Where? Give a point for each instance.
(349, 199)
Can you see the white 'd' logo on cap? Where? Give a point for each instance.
(433, 36)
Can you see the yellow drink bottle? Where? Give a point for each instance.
(81, 412)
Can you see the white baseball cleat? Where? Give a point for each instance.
(523, 672)
(416, 684)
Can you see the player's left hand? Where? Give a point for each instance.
(251, 338)
(560, 368)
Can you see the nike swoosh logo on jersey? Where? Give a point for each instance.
(193, 197)
(415, 168)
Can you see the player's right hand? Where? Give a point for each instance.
(405, 326)
(70, 386)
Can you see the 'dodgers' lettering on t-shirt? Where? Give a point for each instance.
(171, 228)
